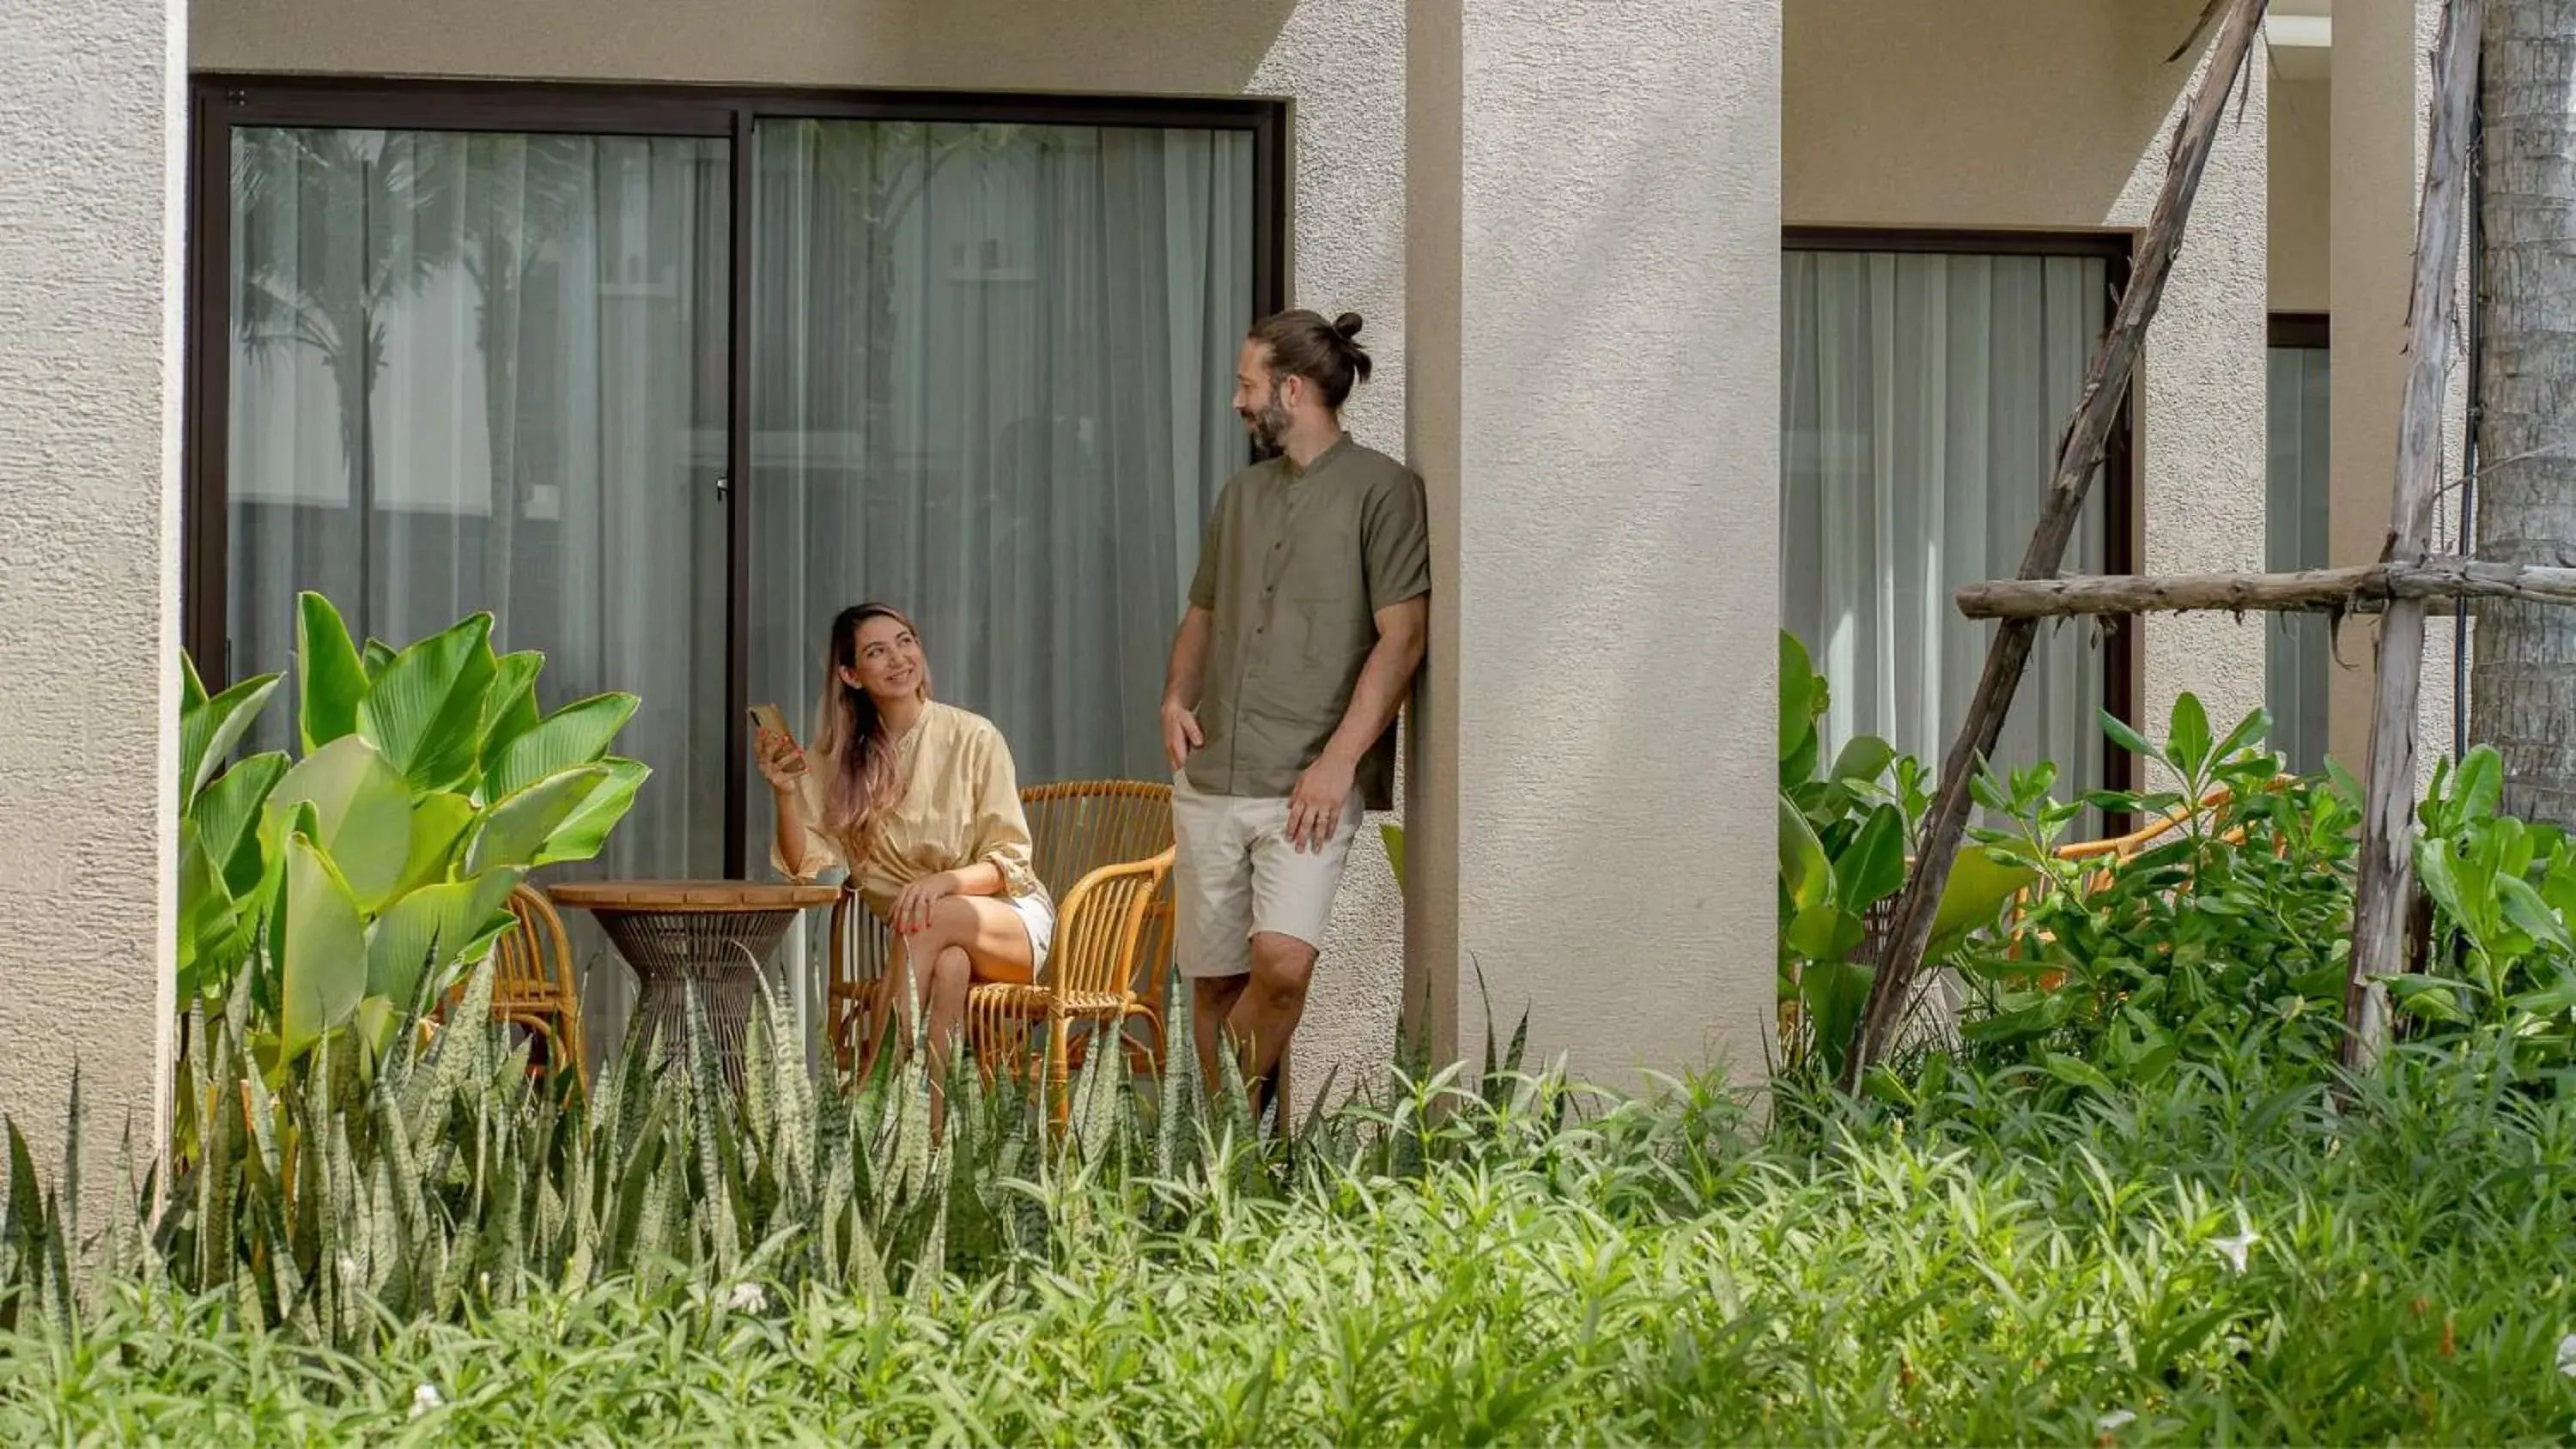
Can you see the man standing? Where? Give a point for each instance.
(1305, 625)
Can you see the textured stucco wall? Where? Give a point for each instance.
(2380, 118)
(2056, 115)
(1596, 334)
(1339, 62)
(90, 124)
(2301, 187)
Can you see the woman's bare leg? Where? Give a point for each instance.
(969, 939)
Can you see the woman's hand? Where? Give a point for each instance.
(911, 913)
(782, 764)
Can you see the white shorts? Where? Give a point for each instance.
(1038, 914)
(1235, 874)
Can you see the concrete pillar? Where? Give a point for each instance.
(92, 121)
(1593, 328)
(2381, 110)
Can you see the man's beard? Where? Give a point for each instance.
(1268, 423)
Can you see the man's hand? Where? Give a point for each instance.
(1180, 733)
(1315, 806)
(912, 908)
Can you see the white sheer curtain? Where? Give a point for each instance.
(992, 368)
(2300, 647)
(486, 371)
(1922, 397)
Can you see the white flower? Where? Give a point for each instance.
(2234, 1249)
(2567, 1356)
(425, 1400)
(2115, 1421)
(746, 1298)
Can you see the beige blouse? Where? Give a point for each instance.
(960, 807)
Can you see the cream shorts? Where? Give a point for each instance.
(1037, 913)
(1235, 873)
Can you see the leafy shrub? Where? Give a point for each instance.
(357, 881)
(2503, 895)
(2227, 937)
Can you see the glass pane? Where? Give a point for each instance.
(1922, 399)
(992, 368)
(2301, 646)
(487, 372)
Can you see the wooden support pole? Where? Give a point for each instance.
(2344, 590)
(2384, 894)
(2079, 457)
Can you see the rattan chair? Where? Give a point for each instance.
(1076, 829)
(1101, 934)
(533, 985)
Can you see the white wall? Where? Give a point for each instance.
(1595, 259)
(91, 122)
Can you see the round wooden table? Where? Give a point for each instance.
(715, 933)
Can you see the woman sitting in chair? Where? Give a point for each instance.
(919, 801)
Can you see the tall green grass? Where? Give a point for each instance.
(1981, 1259)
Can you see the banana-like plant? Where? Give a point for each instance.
(357, 882)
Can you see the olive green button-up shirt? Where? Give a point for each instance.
(1296, 565)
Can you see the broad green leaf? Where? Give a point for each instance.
(375, 657)
(575, 735)
(2428, 997)
(514, 832)
(1863, 759)
(1797, 694)
(329, 677)
(192, 686)
(2478, 790)
(438, 823)
(1874, 867)
(2433, 868)
(323, 952)
(1392, 834)
(1805, 870)
(2119, 732)
(1824, 933)
(510, 710)
(362, 813)
(585, 830)
(429, 929)
(209, 731)
(2253, 727)
(426, 713)
(2524, 908)
(227, 816)
(2558, 996)
(1979, 885)
(2187, 742)
(202, 897)
(2075, 1071)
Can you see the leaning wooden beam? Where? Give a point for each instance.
(2079, 457)
(2384, 894)
(2345, 590)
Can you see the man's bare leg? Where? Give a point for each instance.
(1212, 1001)
(1271, 1005)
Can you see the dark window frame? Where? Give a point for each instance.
(218, 102)
(2298, 329)
(2123, 674)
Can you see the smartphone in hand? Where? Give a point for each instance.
(766, 718)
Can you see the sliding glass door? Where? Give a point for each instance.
(991, 375)
(663, 377)
(486, 371)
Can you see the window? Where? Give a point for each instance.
(2299, 648)
(1926, 381)
(663, 378)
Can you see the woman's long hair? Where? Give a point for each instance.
(851, 734)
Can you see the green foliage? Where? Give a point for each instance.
(1846, 834)
(361, 879)
(2227, 937)
(1467, 1260)
(2504, 894)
